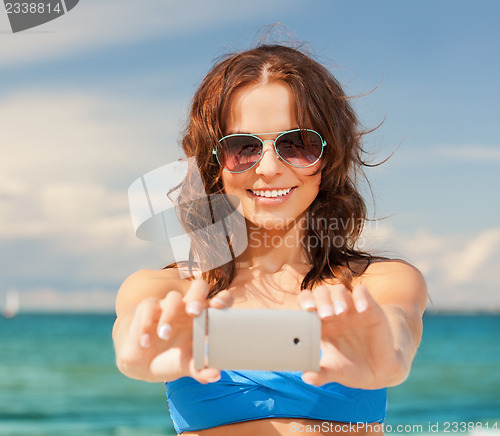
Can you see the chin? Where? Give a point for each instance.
(272, 221)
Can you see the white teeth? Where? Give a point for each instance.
(272, 194)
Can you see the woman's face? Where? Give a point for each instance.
(261, 108)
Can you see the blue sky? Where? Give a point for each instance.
(98, 97)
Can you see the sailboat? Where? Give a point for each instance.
(12, 301)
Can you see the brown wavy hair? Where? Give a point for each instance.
(320, 104)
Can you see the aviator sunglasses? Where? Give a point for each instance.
(300, 148)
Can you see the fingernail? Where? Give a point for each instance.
(340, 306)
(194, 308)
(325, 311)
(218, 301)
(361, 305)
(309, 305)
(145, 340)
(164, 331)
(214, 379)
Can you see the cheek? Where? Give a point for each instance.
(312, 190)
(313, 182)
(226, 182)
(231, 182)
(307, 174)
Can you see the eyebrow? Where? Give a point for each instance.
(240, 132)
(237, 132)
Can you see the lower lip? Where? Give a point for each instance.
(271, 200)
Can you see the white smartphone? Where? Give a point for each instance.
(260, 339)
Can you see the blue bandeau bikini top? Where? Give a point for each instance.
(247, 395)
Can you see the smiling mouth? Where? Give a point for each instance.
(271, 193)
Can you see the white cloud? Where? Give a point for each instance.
(53, 300)
(445, 153)
(460, 269)
(470, 152)
(73, 136)
(464, 266)
(67, 162)
(99, 23)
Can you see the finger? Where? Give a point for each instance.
(222, 300)
(196, 297)
(323, 302)
(205, 375)
(342, 299)
(146, 316)
(305, 299)
(363, 301)
(171, 305)
(324, 375)
(315, 378)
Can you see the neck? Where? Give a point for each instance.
(270, 249)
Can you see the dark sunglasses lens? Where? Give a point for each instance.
(301, 148)
(240, 152)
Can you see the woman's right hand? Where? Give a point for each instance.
(157, 345)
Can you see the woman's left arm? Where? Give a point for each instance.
(369, 336)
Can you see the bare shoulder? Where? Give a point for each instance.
(395, 281)
(148, 283)
(392, 267)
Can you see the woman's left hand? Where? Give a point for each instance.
(360, 340)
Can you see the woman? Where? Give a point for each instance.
(294, 178)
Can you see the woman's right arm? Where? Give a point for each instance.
(153, 329)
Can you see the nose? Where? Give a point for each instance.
(270, 164)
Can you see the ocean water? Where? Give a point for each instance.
(58, 377)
